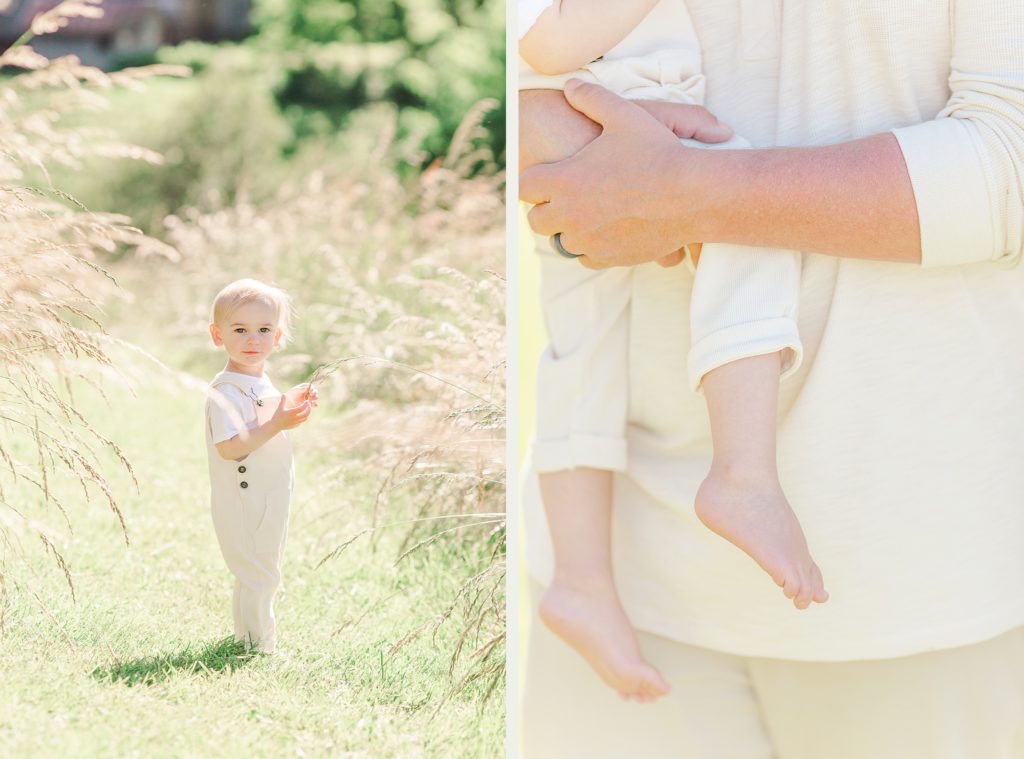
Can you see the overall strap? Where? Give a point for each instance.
(219, 383)
(243, 390)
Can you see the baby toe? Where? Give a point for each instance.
(791, 586)
(820, 594)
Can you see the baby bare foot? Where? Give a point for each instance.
(593, 622)
(751, 512)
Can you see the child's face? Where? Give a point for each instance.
(249, 334)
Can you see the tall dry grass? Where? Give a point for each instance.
(400, 289)
(52, 286)
(401, 294)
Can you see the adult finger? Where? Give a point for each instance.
(535, 184)
(688, 121)
(672, 259)
(570, 245)
(600, 105)
(590, 263)
(544, 220)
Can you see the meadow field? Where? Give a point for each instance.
(130, 200)
(139, 662)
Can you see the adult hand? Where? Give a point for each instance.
(621, 199)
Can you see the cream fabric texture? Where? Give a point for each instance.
(961, 703)
(900, 435)
(249, 503)
(744, 299)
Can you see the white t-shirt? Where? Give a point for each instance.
(238, 412)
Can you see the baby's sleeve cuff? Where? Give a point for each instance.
(954, 208)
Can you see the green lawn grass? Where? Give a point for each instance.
(138, 664)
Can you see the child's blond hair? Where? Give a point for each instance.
(243, 291)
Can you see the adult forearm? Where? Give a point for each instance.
(634, 193)
(852, 199)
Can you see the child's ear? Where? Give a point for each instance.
(215, 335)
(278, 334)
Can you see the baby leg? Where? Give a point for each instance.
(582, 605)
(741, 498)
(236, 611)
(257, 578)
(258, 583)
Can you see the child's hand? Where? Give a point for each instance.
(303, 392)
(287, 418)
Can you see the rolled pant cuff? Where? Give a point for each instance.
(580, 451)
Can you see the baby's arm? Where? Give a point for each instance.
(243, 444)
(550, 129)
(572, 33)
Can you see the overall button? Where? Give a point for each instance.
(241, 470)
(244, 484)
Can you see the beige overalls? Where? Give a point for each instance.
(249, 503)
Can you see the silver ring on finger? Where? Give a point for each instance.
(556, 243)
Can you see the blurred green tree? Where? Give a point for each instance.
(317, 82)
(433, 59)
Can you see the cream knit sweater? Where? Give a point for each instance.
(901, 434)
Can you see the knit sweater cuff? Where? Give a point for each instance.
(954, 209)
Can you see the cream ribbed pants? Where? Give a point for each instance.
(961, 703)
(249, 504)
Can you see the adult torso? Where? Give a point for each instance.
(899, 438)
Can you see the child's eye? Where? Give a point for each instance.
(240, 330)
(265, 329)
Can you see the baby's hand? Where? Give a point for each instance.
(303, 392)
(290, 417)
